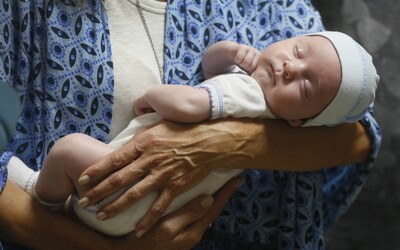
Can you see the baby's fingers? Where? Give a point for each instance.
(247, 58)
(241, 54)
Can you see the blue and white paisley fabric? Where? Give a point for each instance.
(57, 55)
(194, 25)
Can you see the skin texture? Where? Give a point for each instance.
(180, 230)
(169, 164)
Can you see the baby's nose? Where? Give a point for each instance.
(291, 69)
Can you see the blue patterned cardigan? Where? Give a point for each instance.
(57, 55)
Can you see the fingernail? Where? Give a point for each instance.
(206, 202)
(140, 233)
(83, 202)
(101, 216)
(84, 179)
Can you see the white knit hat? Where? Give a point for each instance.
(359, 81)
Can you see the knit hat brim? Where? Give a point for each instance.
(358, 83)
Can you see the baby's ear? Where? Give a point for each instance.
(296, 123)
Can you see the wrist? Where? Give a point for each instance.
(228, 143)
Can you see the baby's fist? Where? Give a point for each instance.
(142, 106)
(247, 58)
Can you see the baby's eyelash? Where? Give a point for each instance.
(298, 56)
(296, 52)
(304, 86)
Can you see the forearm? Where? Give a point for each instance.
(26, 222)
(271, 144)
(179, 102)
(305, 149)
(175, 157)
(219, 58)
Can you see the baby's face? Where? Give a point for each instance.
(299, 76)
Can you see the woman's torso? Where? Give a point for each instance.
(135, 67)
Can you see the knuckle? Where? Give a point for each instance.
(157, 159)
(117, 180)
(117, 158)
(132, 195)
(175, 187)
(146, 141)
(158, 210)
(167, 229)
(95, 194)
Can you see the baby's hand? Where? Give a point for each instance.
(247, 58)
(142, 106)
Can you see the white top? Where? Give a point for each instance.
(236, 95)
(135, 67)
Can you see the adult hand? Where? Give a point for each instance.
(195, 149)
(184, 228)
(169, 158)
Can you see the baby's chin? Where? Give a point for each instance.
(265, 80)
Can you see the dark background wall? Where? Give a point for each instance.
(373, 222)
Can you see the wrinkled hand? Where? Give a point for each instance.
(247, 58)
(169, 158)
(184, 228)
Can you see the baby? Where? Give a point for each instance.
(320, 79)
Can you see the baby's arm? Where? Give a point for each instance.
(178, 103)
(221, 57)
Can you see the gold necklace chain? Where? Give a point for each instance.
(146, 28)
